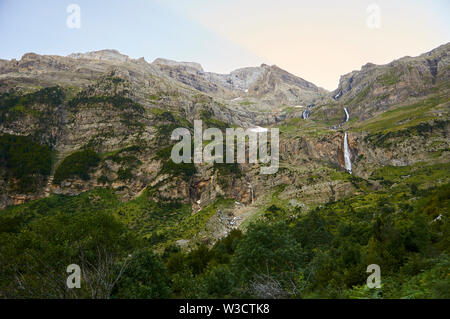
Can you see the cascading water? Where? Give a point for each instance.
(306, 113)
(250, 186)
(347, 116)
(347, 161)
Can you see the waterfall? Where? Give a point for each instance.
(347, 116)
(250, 186)
(306, 112)
(347, 161)
(304, 115)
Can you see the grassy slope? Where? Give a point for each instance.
(406, 116)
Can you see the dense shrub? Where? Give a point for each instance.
(117, 101)
(75, 165)
(124, 174)
(52, 96)
(37, 257)
(183, 170)
(145, 276)
(28, 162)
(268, 249)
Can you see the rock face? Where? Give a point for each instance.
(240, 79)
(191, 66)
(375, 88)
(269, 84)
(108, 55)
(124, 110)
(278, 86)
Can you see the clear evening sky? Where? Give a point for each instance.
(317, 40)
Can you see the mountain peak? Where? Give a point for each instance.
(108, 54)
(167, 62)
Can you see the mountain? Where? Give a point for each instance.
(366, 164)
(107, 102)
(269, 84)
(376, 88)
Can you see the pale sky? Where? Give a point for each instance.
(316, 40)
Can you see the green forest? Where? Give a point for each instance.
(322, 253)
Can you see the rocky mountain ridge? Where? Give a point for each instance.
(116, 114)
